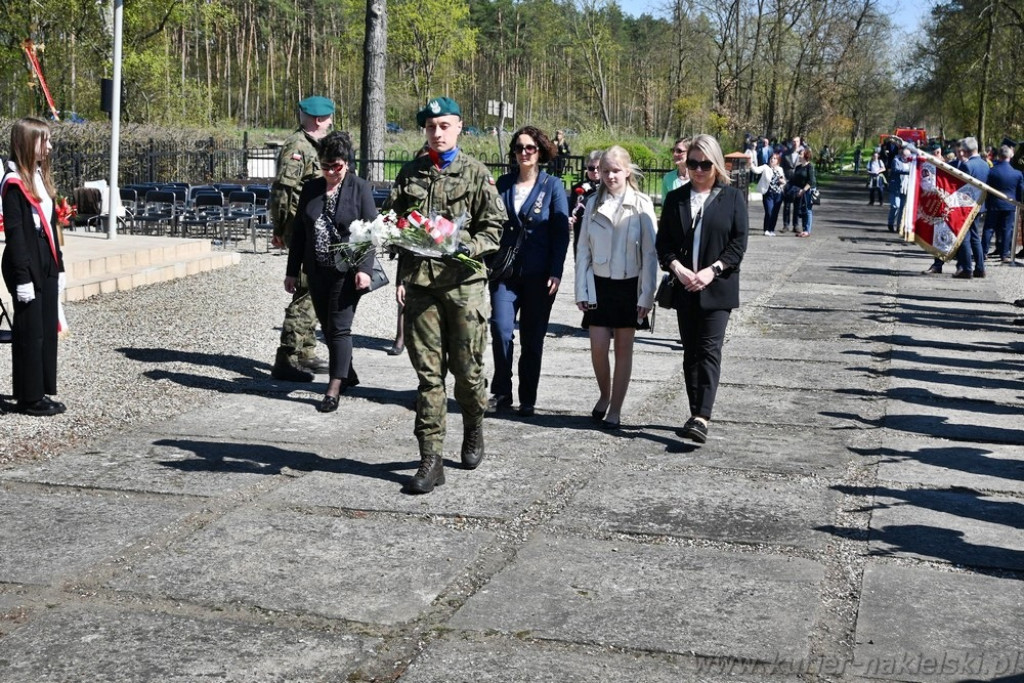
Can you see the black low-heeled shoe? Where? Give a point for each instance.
(598, 414)
(610, 424)
(328, 405)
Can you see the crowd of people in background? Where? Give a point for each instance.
(518, 230)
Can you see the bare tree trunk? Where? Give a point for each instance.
(986, 74)
(372, 120)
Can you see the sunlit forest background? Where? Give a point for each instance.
(836, 71)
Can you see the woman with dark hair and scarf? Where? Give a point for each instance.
(327, 207)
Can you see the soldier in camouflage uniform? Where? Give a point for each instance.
(298, 162)
(447, 304)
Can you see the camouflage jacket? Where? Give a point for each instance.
(297, 162)
(466, 185)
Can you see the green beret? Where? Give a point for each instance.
(439, 106)
(317, 105)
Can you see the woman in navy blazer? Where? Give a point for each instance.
(538, 223)
(327, 207)
(702, 237)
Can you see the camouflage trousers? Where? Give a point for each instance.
(446, 329)
(298, 331)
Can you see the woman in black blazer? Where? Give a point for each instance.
(327, 207)
(33, 266)
(702, 237)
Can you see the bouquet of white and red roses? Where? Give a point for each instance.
(433, 235)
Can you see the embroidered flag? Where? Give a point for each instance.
(943, 205)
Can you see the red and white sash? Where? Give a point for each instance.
(12, 179)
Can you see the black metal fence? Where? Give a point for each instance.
(211, 161)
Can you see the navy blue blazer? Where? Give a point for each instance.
(545, 218)
(723, 238)
(1009, 181)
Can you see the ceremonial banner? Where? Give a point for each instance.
(943, 203)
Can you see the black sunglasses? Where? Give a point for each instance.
(529, 149)
(593, 169)
(335, 167)
(678, 151)
(705, 165)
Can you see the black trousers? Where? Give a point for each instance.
(703, 333)
(34, 344)
(335, 299)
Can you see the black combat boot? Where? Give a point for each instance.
(472, 446)
(313, 363)
(286, 371)
(429, 475)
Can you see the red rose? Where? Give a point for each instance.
(579, 190)
(402, 223)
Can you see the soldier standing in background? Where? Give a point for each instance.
(298, 162)
(447, 304)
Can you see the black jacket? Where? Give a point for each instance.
(355, 202)
(27, 258)
(723, 238)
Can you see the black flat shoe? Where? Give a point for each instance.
(61, 408)
(598, 413)
(610, 424)
(695, 430)
(396, 350)
(526, 411)
(41, 408)
(328, 405)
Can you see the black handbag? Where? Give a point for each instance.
(502, 264)
(378, 276)
(666, 291)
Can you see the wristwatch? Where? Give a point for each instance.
(716, 269)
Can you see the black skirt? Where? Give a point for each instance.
(616, 305)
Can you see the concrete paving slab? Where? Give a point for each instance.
(852, 351)
(964, 528)
(52, 537)
(369, 570)
(801, 407)
(802, 374)
(94, 643)
(919, 624)
(247, 418)
(659, 598)
(947, 464)
(954, 382)
(506, 483)
(196, 467)
(931, 414)
(702, 504)
(494, 659)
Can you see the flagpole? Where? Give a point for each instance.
(961, 175)
(113, 189)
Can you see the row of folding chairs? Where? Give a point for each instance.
(224, 213)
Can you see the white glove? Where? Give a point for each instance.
(62, 281)
(26, 292)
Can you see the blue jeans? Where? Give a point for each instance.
(772, 204)
(803, 209)
(528, 297)
(896, 201)
(971, 256)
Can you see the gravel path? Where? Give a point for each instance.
(115, 369)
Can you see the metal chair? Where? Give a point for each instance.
(207, 210)
(159, 209)
(240, 213)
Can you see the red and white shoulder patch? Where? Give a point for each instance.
(296, 157)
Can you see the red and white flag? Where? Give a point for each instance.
(943, 203)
